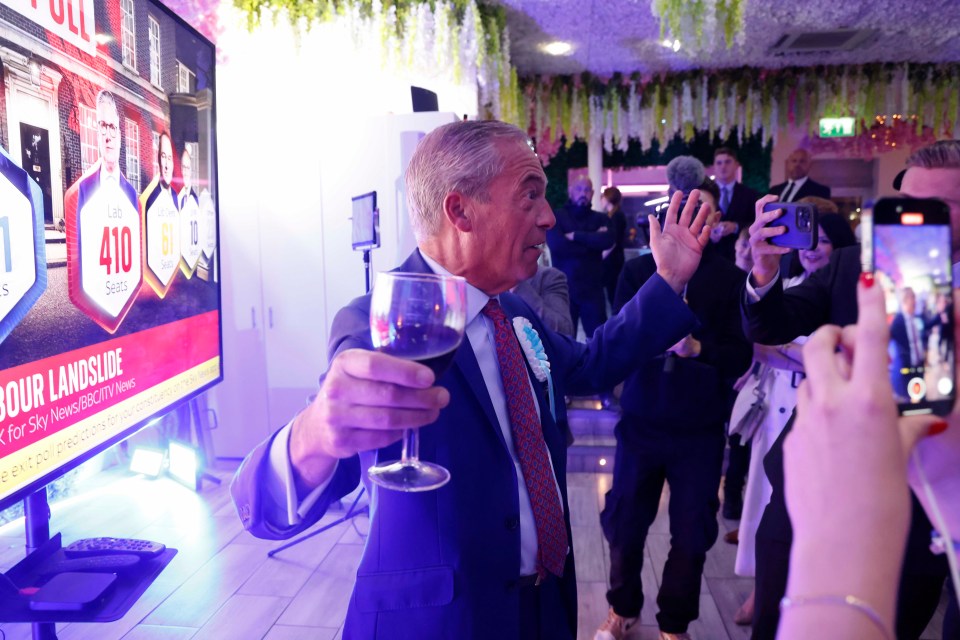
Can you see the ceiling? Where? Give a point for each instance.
(624, 35)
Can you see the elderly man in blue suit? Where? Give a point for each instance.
(471, 559)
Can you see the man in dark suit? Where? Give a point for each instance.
(576, 244)
(663, 436)
(488, 554)
(548, 295)
(771, 315)
(102, 198)
(798, 184)
(736, 202)
(906, 337)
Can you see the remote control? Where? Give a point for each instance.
(101, 564)
(102, 546)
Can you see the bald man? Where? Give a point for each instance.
(576, 247)
(798, 184)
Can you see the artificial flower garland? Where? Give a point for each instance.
(701, 23)
(461, 38)
(754, 101)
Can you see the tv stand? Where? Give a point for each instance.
(42, 549)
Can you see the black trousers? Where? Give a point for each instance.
(738, 465)
(691, 464)
(590, 309)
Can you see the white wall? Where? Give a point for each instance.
(302, 127)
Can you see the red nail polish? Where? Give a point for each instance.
(937, 428)
(866, 279)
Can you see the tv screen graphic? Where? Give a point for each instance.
(109, 280)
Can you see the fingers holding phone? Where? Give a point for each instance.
(766, 256)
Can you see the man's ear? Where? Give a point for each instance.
(455, 211)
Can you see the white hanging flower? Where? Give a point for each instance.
(576, 115)
(757, 114)
(596, 116)
(392, 43)
(469, 41)
(704, 105)
(441, 44)
(623, 124)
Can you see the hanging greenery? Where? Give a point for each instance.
(748, 100)
(701, 24)
(465, 40)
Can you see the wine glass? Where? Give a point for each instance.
(419, 317)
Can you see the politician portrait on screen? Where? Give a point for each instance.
(161, 228)
(103, 229)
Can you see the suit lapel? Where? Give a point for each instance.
(466, 362)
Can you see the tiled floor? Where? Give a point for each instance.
(222, 585)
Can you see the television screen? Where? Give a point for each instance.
(109, 281)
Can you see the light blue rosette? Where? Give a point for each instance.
(536, 356)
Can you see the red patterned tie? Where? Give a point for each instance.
(530, 446)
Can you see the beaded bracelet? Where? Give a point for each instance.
(849, 601)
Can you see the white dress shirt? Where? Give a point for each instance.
(789, 193)
(479, 333)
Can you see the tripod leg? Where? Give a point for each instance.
(350, 514)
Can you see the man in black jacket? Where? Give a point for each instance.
(773, 316)
(798, 184)
(664, 436)
(576, 245)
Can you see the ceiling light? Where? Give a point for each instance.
(934, 253)
(668, 43)
(558, 48)
(676, 45)
(650, 203)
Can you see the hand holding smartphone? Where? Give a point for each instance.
(910, 252)
(800, 220)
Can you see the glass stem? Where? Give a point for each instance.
(411, 446)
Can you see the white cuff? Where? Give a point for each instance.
(754, 294)
(281, 487)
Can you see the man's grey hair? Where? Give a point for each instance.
(685, 173)
(460, 156)
(105, 97)
(944, 154)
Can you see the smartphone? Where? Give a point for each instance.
(911, 257)
(800, 219)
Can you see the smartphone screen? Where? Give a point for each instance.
(912, 260)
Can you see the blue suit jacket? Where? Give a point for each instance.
(444, 563)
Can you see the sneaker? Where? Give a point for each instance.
(615, 628)
(675, 636)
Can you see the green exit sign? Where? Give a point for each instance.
(837, 127)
